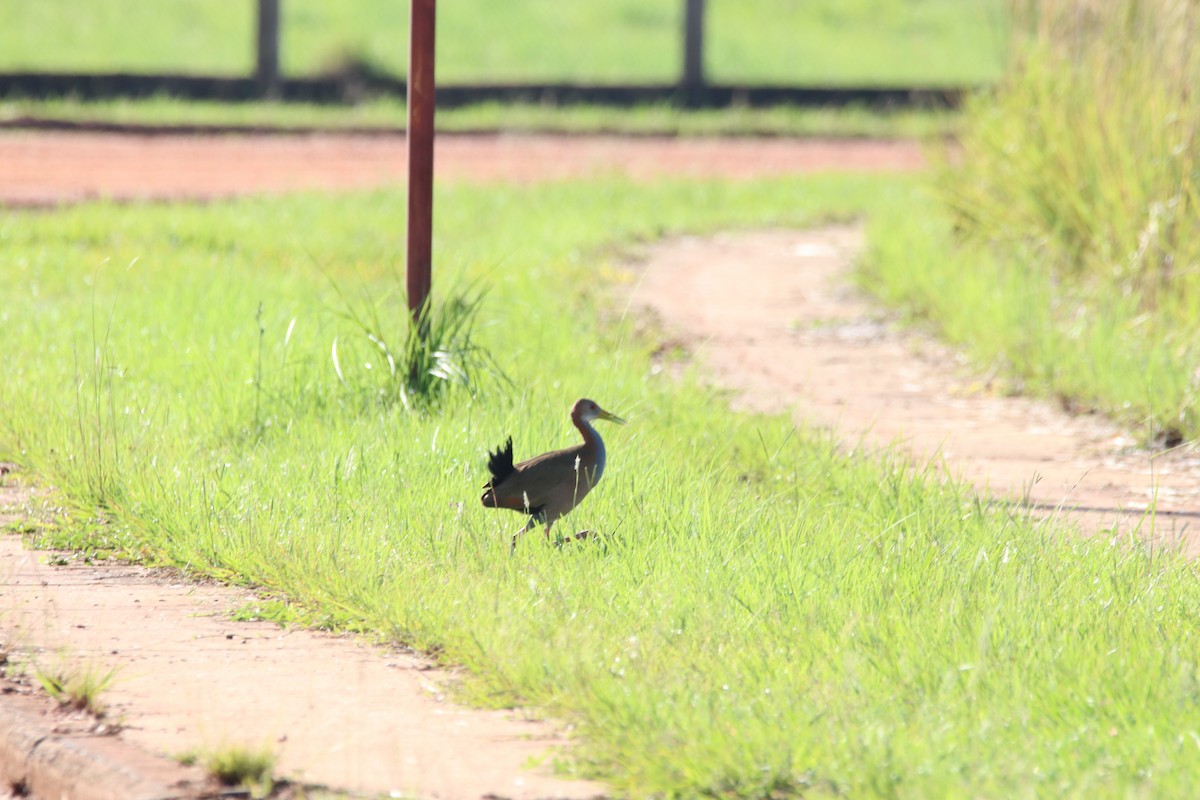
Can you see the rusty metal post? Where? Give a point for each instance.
(420, 152)
(267, 71)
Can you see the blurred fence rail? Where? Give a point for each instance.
(355, 87)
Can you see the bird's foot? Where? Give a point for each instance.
(559, 540)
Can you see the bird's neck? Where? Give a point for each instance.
(594, 444)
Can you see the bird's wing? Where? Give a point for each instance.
(540, 480)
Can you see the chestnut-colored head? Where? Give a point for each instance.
(586, 410)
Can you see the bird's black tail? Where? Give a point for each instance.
(500, 464)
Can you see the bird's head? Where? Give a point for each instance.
(587, 410)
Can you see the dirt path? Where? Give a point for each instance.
(46, 169)
(768, 312)
(337, 712)
(775, 318)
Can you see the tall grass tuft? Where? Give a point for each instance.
(1077, 189)
(240, 765)
(396, 358)
(1087, 151)
(78, 688)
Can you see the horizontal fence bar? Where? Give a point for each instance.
(354, 88)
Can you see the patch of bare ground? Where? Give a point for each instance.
(775, 317)
(38, 168)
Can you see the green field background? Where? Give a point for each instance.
(896, 42)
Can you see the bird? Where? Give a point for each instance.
(548, 486)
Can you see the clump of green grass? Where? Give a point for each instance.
(77, 687)
(246, 766)
(1063, 249)
(1088, 149)
(265, 610)
(414, 360)
(8, 661)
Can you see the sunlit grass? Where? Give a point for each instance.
(1060, 245)
(415, 360)
(937, 43)
(760, 615)
(1087, 150)
(894, 42)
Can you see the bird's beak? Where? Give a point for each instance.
(610, 417)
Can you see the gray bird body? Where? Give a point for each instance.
(548, 486)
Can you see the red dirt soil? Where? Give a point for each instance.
(335, 711)
(51, 168)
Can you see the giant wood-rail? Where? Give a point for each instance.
(548, 486)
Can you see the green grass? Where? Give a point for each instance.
(761, 616)
(422, 359)
(391, 115)
(238, 765)
(891, 42)
(878, 42)
(837, 41)
(1061, 246)
(77, 687)
(1092, 346)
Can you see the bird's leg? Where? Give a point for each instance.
(528, 527)
(557, 540)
